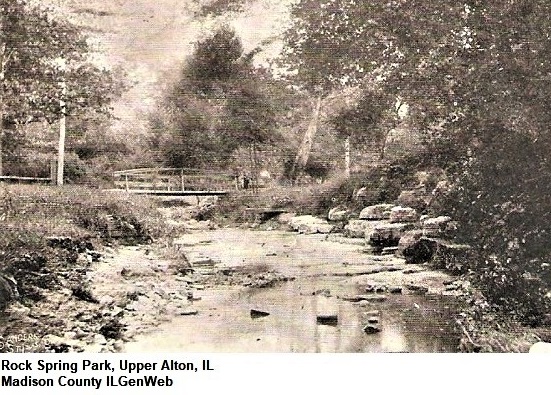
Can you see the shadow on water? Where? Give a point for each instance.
(239, 322)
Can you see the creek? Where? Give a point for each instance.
(284, 317)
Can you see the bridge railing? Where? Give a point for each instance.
(173, 179)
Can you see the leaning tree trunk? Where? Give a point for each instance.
(306, 146)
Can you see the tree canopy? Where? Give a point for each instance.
(39, 52)
(219, 104)
(476, 76)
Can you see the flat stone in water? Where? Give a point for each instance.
(373, 320)
(328, 319)
(357, 298)
(417, 289)
(258, 314)
(371, 329)
(188, 312)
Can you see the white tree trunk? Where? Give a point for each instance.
(347, 157)
(61, 145)
(306, 147)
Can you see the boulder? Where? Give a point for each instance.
(407, 240)
(360, 228)
(8, 291)
(372, 329)
(307, 224)
(338, 214)
(436, 227)
(415, 198)
(415, 248)
(285, 218)
(450, 256)
(377, 212)
(401, 214)
(388, 235)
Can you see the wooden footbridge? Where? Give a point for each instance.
(174, 182)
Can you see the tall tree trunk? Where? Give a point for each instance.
(347, 157)
(306, 147)
(383, 145)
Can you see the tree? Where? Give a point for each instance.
(321, 54)
(369, 119)
(220, 103)
(216, 62)
(37, 53)
(477, 75)
(251, 118)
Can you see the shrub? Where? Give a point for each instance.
(501, 198)
(383, 184)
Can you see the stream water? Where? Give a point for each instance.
(224, 323)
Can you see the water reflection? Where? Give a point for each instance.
(409, 323)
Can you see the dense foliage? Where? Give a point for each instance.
(476, 76)
(45, 61)
(220, 104)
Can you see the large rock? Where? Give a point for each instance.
(437, 227)
(285, 218)
(377, 212)
(401, 214)
(407, 240)
(8, 291)
(450, 256)
(308, 224)
(415, 248)
(360, 228)
(416, 198)
(338, 214)
(388, 234)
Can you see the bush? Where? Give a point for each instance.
(383, 184)
(501, 198)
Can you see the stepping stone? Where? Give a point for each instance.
(373, 320)
(371, 329)
(189, 312)
(328, 319)
(258, 314)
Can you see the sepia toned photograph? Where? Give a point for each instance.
(275, 176)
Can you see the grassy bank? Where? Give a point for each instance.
(46, 231)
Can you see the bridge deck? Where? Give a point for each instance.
(170, 193)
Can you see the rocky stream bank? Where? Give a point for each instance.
(373, 283)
